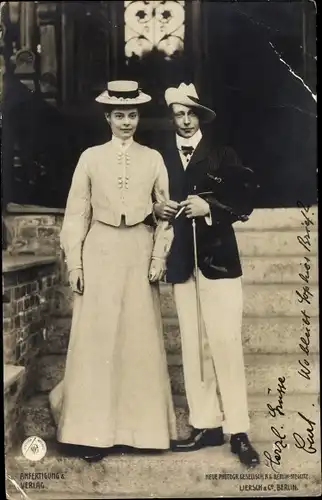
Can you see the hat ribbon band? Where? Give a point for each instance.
(126, 95)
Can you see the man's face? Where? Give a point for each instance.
(123, 122)
(185, 120)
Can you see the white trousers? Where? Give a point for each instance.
(224, 370)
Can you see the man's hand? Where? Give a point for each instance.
(195, 207)
(157, 269)
(76, 281)
(165, 211)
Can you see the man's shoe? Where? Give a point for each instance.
(241, 446)
(200, 438)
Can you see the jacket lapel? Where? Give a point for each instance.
(175, 169)
(201, 153)
(174, 155)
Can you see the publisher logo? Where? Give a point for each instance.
(34, 448)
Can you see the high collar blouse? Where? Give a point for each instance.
(110, 182)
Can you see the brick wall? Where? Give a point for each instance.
(13, 399)
(28, 295)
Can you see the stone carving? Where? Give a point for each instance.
(14, 12)
(46, 18)
(154, 25)
(25, 62)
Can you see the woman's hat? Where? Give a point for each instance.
(187, 95)
(123, 93)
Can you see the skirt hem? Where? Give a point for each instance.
(111, 444)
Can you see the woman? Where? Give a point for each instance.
(116, 388)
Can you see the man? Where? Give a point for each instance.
(197, 165)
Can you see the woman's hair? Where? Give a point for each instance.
(108, 108)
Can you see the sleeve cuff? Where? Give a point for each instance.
(154, 217)
(73, 268)
(208, 219)
(163, 237)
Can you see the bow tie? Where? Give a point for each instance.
(187, 150)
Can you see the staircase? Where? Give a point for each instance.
(272, 259)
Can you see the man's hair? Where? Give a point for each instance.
(198, 111)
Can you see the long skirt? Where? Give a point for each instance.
(116, 388)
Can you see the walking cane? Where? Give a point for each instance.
(198, 300)
(199, 319)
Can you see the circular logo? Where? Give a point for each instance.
(34, 448)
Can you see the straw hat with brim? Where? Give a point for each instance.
(187, 96)
(123, 93)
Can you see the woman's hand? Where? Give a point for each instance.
(157, 269)
(194, 206)
(166, 210)
(76, 281)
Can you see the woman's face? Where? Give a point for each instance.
(123, 122)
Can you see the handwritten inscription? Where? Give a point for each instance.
(306, 443)
(305, 340)
(281, 390)
(307, 268)
(305, 371)
(305, 295)
(305, 439)
(305, 240)
(274, 459)
(278, 447)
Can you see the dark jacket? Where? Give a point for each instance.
(212, 168)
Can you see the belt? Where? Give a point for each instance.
(122, 223)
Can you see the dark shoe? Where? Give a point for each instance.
(93, 458)
(200, 438)
(91, 454)
(241, 446)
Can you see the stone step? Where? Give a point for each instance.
(276, 219)
(169, 475)
(271, 299)
(38, 421)
(260, 335)
(270, 335)
(259, 300)
(282, 269)
(278, 269)
(276, 243)
(262, 372)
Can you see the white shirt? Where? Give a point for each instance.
(190, 142)
(122, 144)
